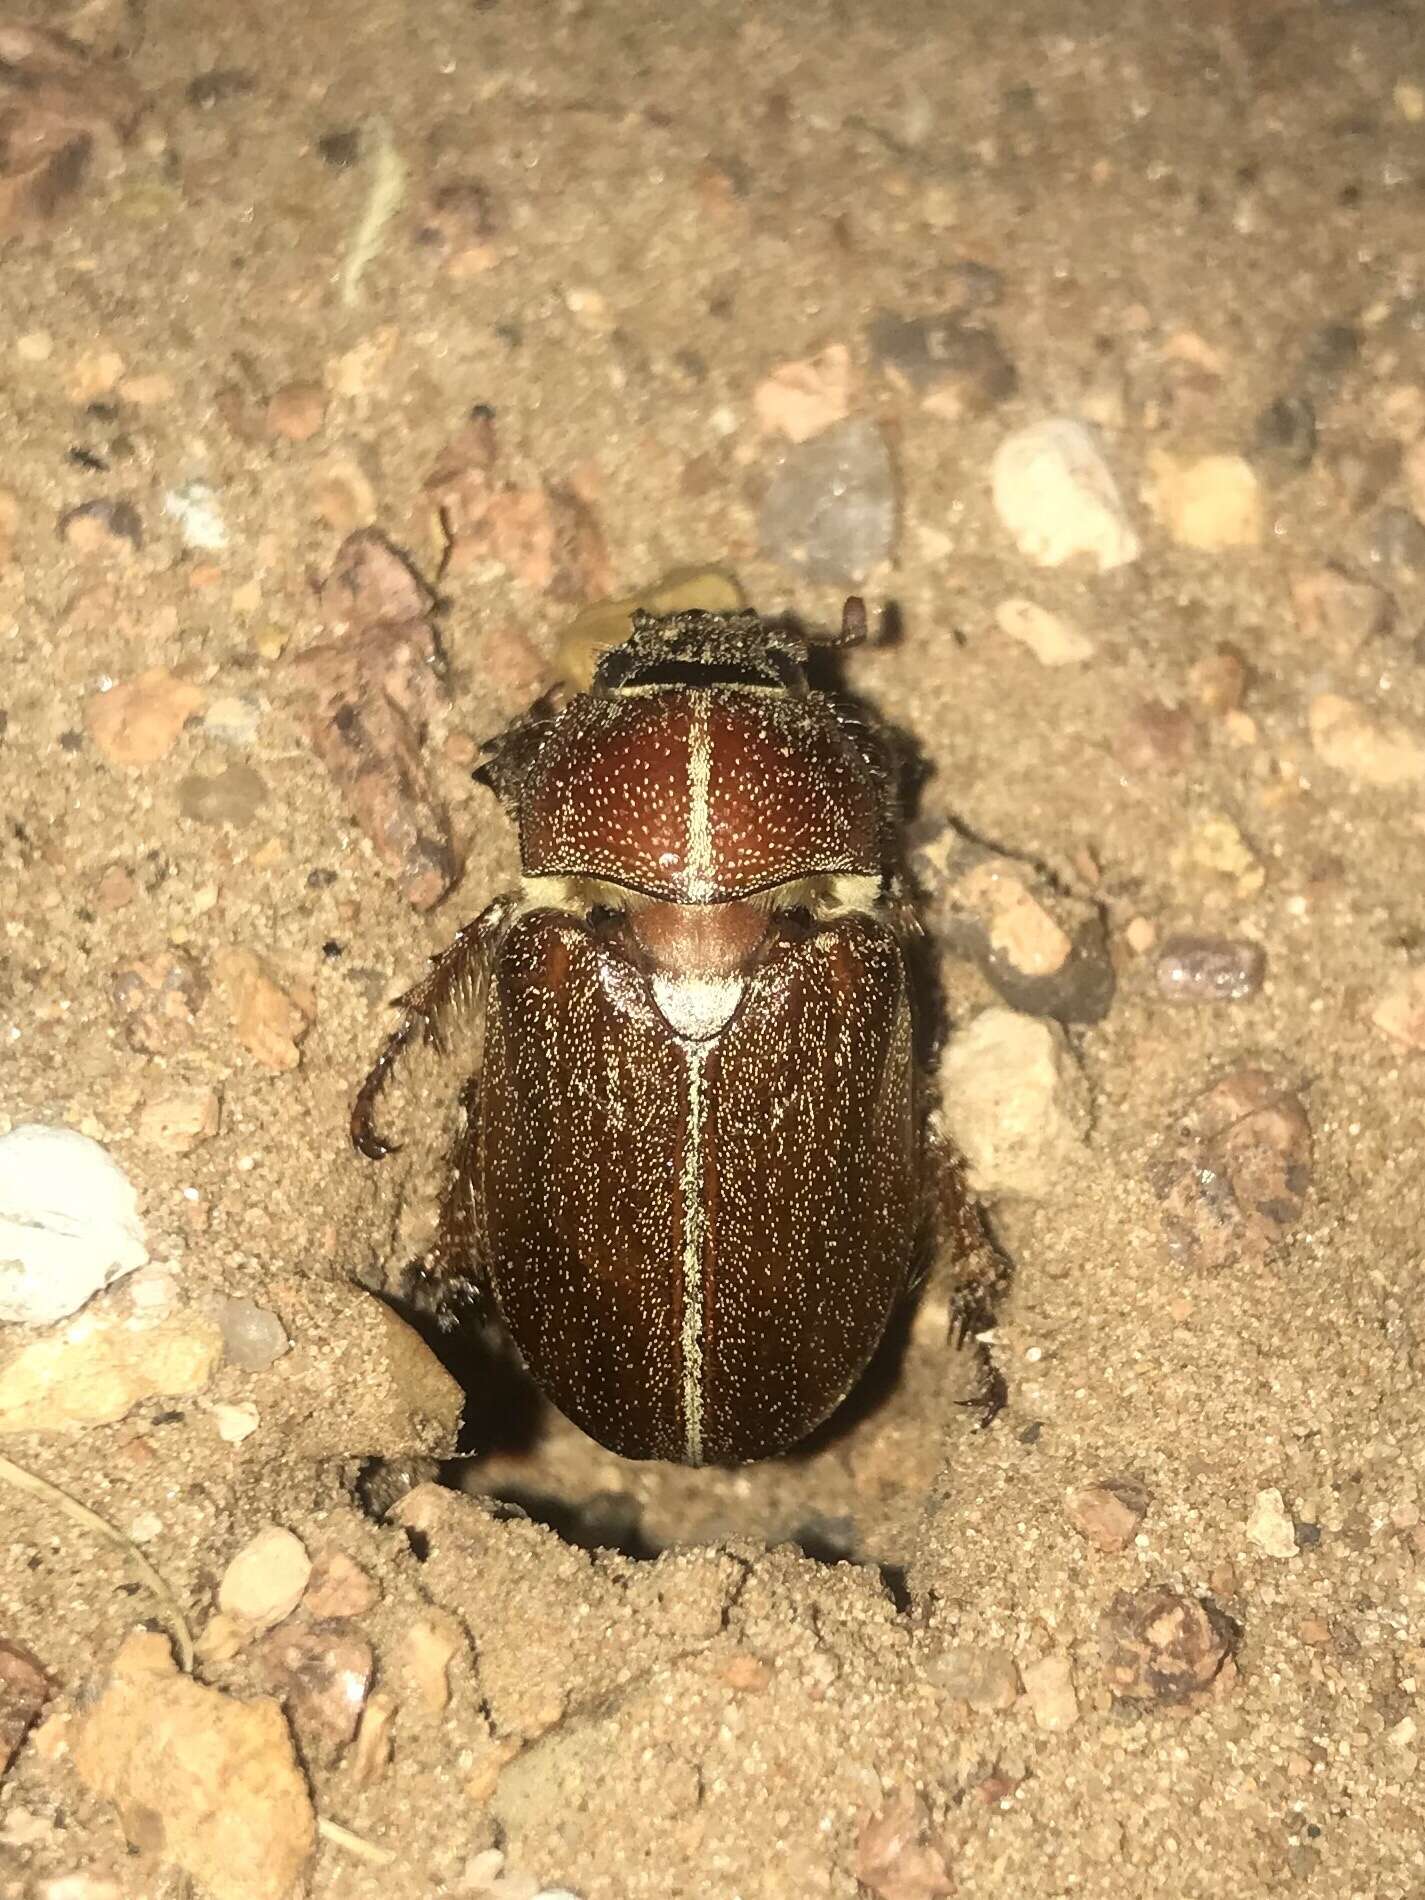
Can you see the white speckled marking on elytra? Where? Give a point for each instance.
(693, 1235)
(701, 881)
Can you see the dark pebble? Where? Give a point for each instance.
(1284, 440)
(222, 83)
(341, 149)
(931, 352)
(1209, 969)
(1397, 543)
(1329, 353)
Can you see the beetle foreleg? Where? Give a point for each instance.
(454, 984)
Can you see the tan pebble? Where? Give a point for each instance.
(1212, 504)
(35, 346)
(146, 392)
(427, 1652)
(358, 372)
(746, 1673)
(115, 889)
(138, 721)
(1156, 738)
(1371, 751)
(1400, 1011)
(1315, 1631)
(1224, 1580)
(371, 1751)
(1049, 1686)
(1402, 412)
(297, 411)
(484, 1777)
(1180, 1310)
(247, 598)
(270, 642)
(460, 750)
(342, 496)
(1053, 640)
(211, 1781)
(272, 1007)
(1018, 926)
(264, 1582)
(1218, 681)
(1107, 1515)
(181, 1122)
(799, 400)
(894, 1858)
(1140, 934)
(95, 1370)
(339, 1587)
(95, 374)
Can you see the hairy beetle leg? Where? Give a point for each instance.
(454, 985)
(980, 1275)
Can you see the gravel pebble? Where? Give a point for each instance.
(1371, 751)
(1209, 969)
(253, 1337)
(95, 1370)
(264, 1582)
(322, 1672)
(1270, 1526)
(1107, 1514)
(1237, 1176)
(222, 1774)
(1340, 609)
(799, 400)
(830, 507)
(69, 1223)
(158, 999)
(985, 1678)
(1212, 504)
(1014, 1102)
(1049, 1687)
(233, 796)
(1052, 640)
(182, 1121)
(1057, 497)
(137, 722)
(1161, 1645)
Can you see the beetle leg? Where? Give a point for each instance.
(454, 983)
(456, 1265)
(980, 1272)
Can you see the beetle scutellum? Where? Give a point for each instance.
(692, 1178)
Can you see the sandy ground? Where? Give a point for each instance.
(721, 1678)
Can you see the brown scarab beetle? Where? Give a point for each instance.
(692, 1178)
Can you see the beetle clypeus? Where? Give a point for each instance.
(692, 1177)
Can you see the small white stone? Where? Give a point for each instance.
(145, 1527)
(1270, 1527)
(195, 508)
(1052, 640)
(235, 1422)
(69, 1223)
(265, 1581)
(1057, 497)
